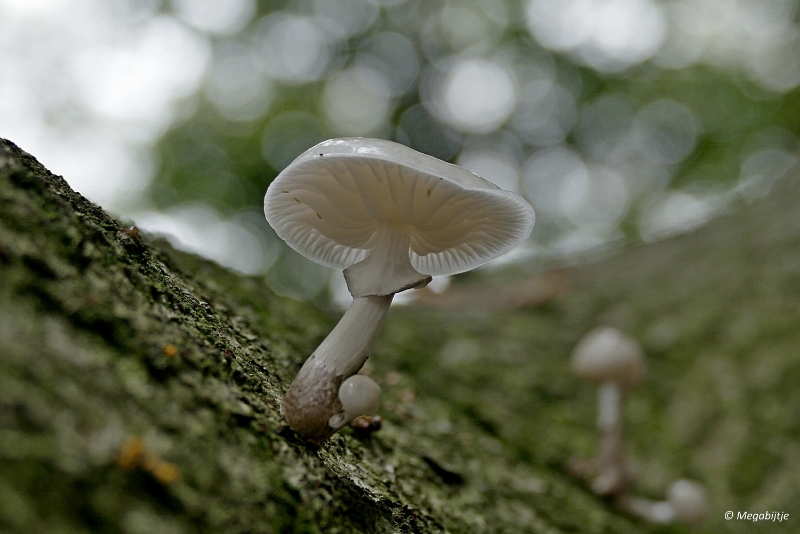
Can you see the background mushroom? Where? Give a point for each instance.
(391, 217)
(686, 502)
(612, 359)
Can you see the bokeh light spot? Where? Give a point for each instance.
(544, 174)
(473, 95)
(609, 35)
(213, 16)
(356, 101)
(237, 85)
(494, 166)
(666, 131)
(294, 48)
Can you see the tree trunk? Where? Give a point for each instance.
(140, 387)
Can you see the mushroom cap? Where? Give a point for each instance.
(607, 355)
(332, 201)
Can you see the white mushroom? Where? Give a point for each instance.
(686, 502)
(392, 218)
(359, 395)
(614, 360)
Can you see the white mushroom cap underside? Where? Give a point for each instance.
(330, 207)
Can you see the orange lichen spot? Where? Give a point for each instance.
(132, 232)
(367, 423)
(296, 200)
(164, 472)
(170, 350)
(318, 215)
(131, 453)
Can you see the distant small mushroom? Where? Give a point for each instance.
(686, 502)
(391, 217)
(614, 360)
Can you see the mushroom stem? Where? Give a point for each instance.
(313, 397)
(608, 400)
(660, 512)
(612, 474)
(387, 268)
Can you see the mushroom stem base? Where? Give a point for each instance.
(313, 397)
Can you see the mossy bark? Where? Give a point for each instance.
(140, 387)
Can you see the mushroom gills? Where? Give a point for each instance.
(387, 268)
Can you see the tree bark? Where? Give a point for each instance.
(140, 387)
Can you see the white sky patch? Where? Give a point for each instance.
(90, 91)
(609, 35)
(215, 16)
(240, 242)
(760, 38)
(137, 78)
(31, 9)
(104, 168)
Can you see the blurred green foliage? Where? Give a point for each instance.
(635, 151)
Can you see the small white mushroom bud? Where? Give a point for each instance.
(688, 501)
(359, 395)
